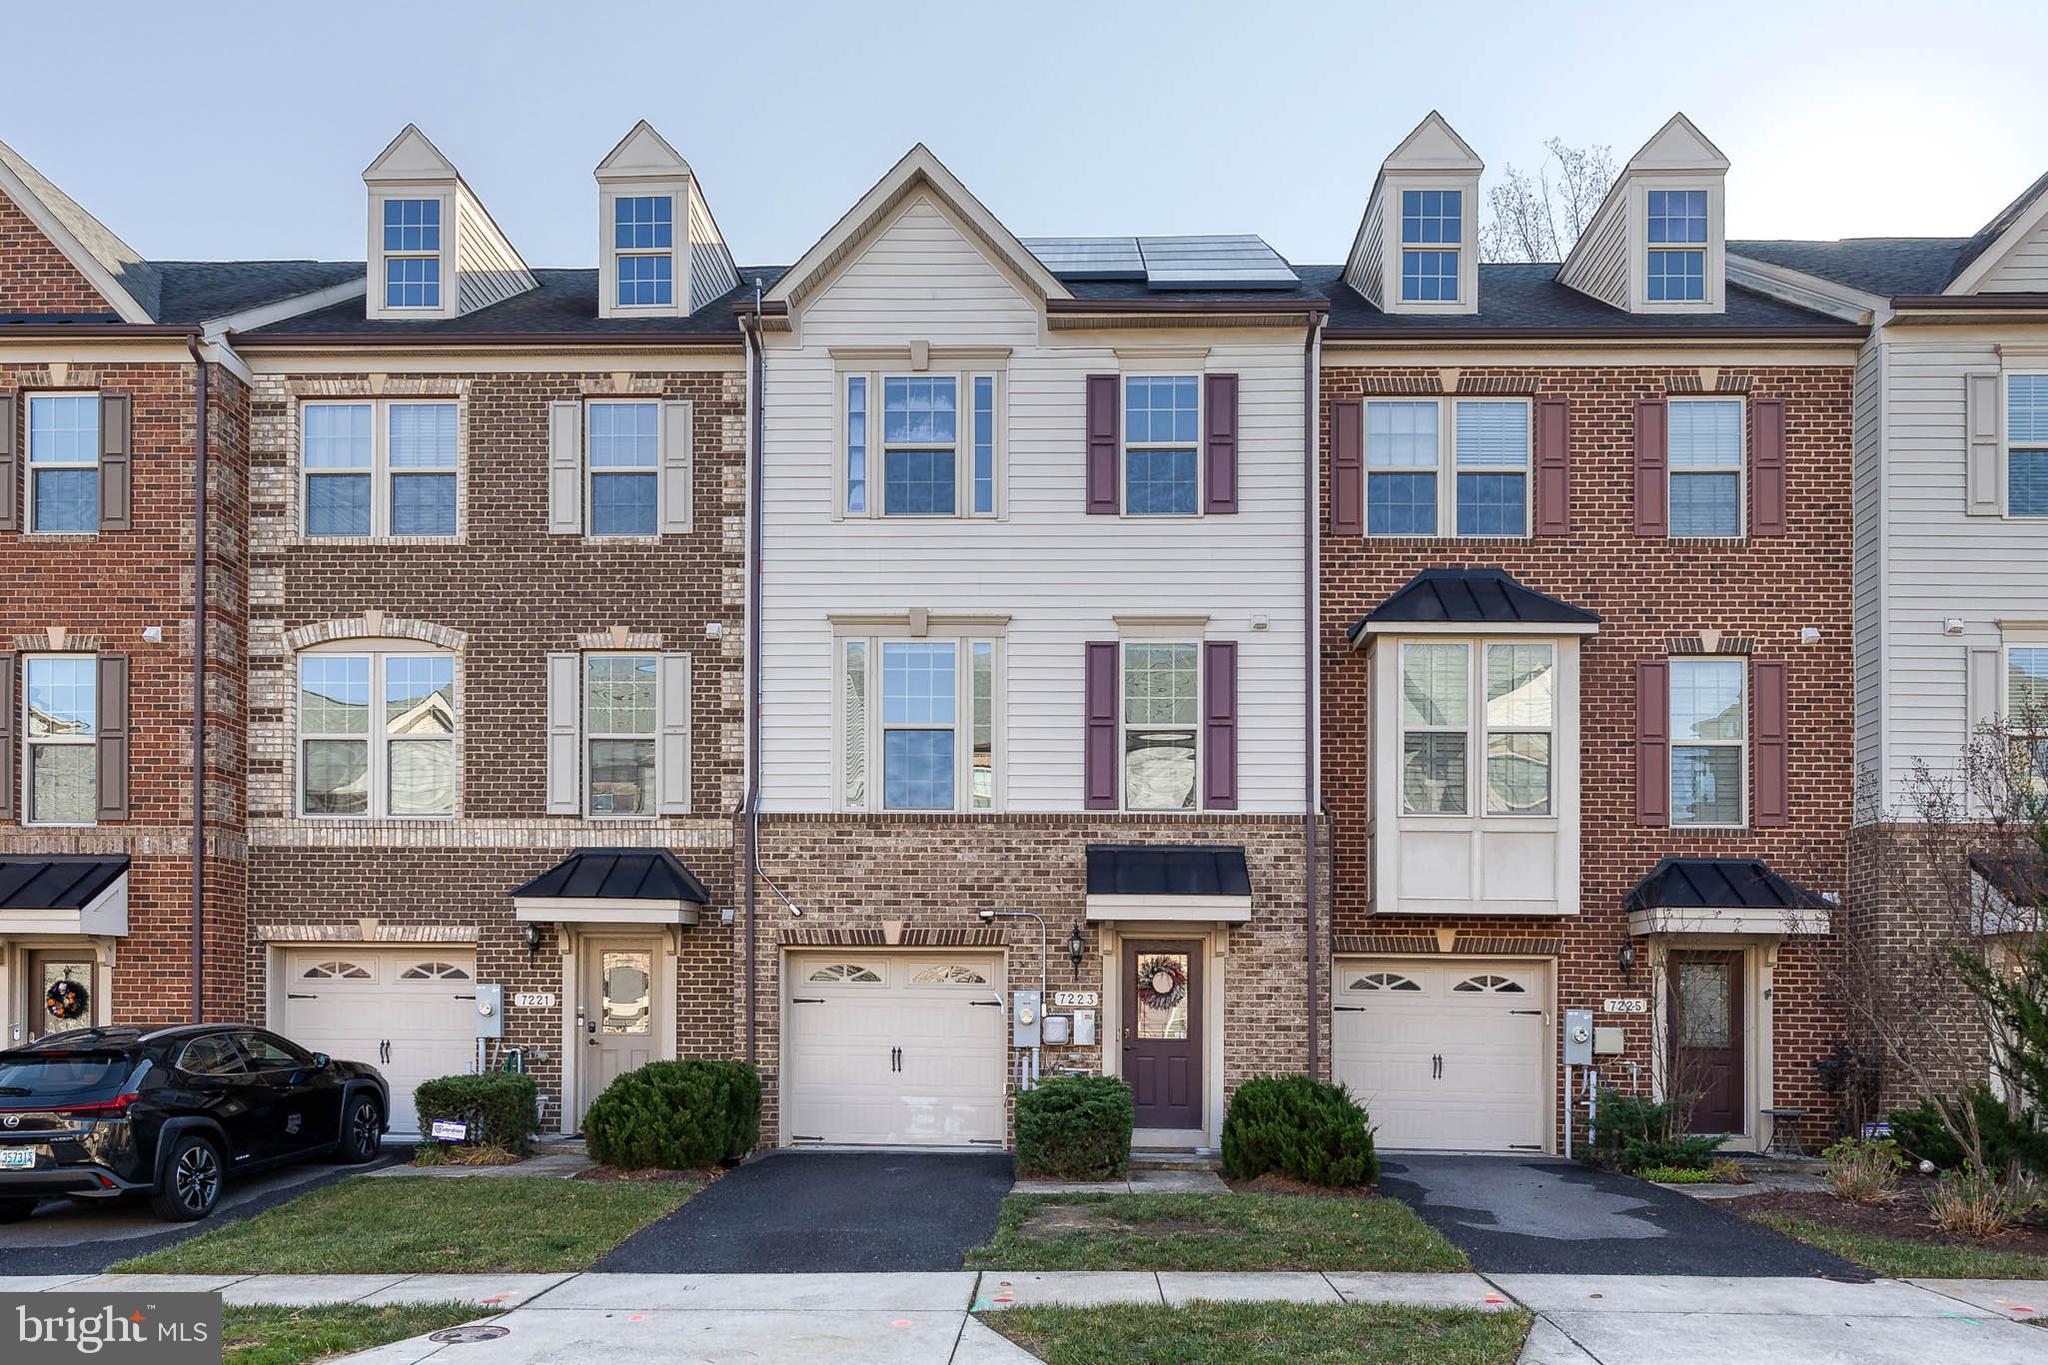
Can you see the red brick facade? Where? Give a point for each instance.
(1650, 591)
(35, 277)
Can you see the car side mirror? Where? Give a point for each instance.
(321, 1061)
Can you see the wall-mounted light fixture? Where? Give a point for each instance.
(1626, 957)
(531, 931)
(1077, 948)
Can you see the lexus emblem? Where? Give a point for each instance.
(12, 1120)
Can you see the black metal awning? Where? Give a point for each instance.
(628, 874)
(1480, 598)
(1719, 884)
(35, 883)
(1167, 870)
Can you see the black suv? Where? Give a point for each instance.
(101, 1112)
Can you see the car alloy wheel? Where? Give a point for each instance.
(196, 1178)
(362, 1130)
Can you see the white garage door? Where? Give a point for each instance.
(1445, 1055)
(410, 1013)
(905, 1049)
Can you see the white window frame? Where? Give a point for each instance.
(1740, 744)
(29, 745)
(1740, 469)
(380, 471)
(2017, 638)
(1713, 251)
(1445, 471)
(678, 232)
(587, 736)
(1485, 729)
(1402, 246)
(591, 473)
(1125, 445)
(2006, 444)
(867, 733)
(377, 774)
(874, 483)
(443, 255)
(1478, 729)
(35, 469)
(1474, 680)
(1125, 643)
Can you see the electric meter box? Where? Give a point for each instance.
(1058, 1030)
(490, 1010)
(1024, 1018)
(1578, 1037)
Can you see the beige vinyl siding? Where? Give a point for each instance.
(1868, 574)
(2024, 269)
(487, 269)
(1601, 270)
(1369, 256)
(1060, 574)
(711, 269)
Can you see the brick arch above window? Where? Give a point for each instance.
(375, 625)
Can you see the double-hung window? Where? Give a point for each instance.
(1513, 733)
(643, 239)
(1162, 427)
(382, 468)
(1436, 724)
(1706, 466)
(377, 735)
(64, 462)
(624, 442)
(923, 710)
(1161, 724)
(1676, 271)
(621, 707)
(1709, 742)
(61, 701)
(2026, 445)
(1481, 472)
(1521, 717)
(2025, 707)
(1432, 234)
(920, 445)
(412, 253)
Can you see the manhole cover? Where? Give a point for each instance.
(458, 1335)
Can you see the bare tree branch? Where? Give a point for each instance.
(1541, 219)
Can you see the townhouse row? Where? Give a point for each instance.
(957, 656)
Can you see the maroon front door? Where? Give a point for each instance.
(1163, 1032)
(1706, 1034)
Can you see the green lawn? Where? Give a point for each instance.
(1211, 1232)
(1901, 1257)
(270, 1335)
(420, 1223)
(1233, 1333)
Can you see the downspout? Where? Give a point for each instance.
(1312, 632)
(755, 374)
(199, 442)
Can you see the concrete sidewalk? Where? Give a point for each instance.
(935, 1317)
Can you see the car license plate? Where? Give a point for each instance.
(17, 1158)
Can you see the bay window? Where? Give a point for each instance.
(1513, 733)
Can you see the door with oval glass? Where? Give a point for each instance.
(615, 1012)
(1162, 1042)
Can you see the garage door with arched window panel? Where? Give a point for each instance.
(411, 1013)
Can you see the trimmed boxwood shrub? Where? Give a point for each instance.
(680, 1116)
(500, 1107)
(1304, 1129)
(1075, 1128)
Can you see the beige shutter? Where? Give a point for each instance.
(117, 477)
(672, 759)
(1981, 689)
(677, 488)
(565, 469)
(110, 752)
(565, 734)
(1980, 392)
(10, 463)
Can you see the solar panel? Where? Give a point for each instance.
(1089, 258)
(1239, 262)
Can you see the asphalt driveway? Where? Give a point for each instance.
(1546, 1216)
(795, 1211)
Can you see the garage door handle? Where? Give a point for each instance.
(1525, 1011)
(806, 1000)
(1350, 1009)
(993, 1004)
(291, 995)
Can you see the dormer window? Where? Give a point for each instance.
(643, 234)
(420, 210)
(1677, 230)
(1432, 231)
(412, 253)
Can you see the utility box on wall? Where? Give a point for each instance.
(1024, 1018)
(1578, 1038)
(490, 1010)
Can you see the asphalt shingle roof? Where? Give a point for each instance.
(1521, 296)
(201, 291)
(1890, 266)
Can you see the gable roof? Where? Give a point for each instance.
(918, 169)
(1473, 597)
(1719, 884)
(643, 151)
(127, 282)
(1678, 145)
(1999, 236)
(411, 155)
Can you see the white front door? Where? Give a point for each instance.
(1445, 1055)
(619, 1027)
(410, 1012)
(903, 1049)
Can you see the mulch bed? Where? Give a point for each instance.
(1274, 1183)
(1904, 1217)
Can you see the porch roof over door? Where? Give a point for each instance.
(1723, 896)
(613, 886)
(64, 895)
(1169, 882)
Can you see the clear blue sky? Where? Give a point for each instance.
(238, 129)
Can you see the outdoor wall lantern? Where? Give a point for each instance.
(1627, 956)
(1077, 947)
(531, 931)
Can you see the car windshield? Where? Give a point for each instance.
(58, 1075)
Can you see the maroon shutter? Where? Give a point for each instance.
(8, 723)
(1220, 400)
(1102, 442)
(1347, 467)
(1219, 725)
(1653, 742)
(1653, 489)
(1767, 467)
(1772, 724)
(1553, 467)
(1099, 755)
(117, 478)
(10, 463)
(111, 751)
